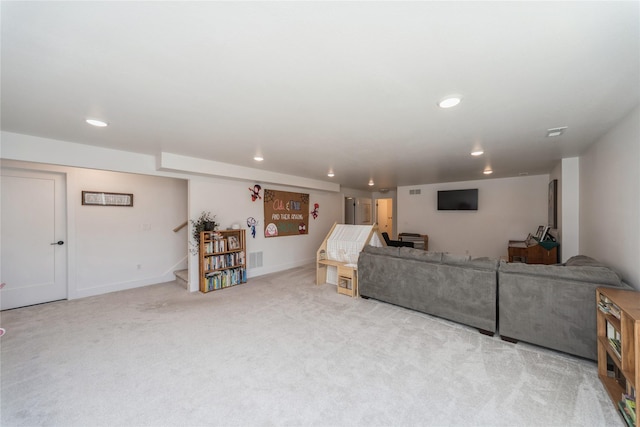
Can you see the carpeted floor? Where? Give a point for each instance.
(277, 351)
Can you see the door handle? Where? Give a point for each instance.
(59, 242)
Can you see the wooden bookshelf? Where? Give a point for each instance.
(222, 259)
(618, 322)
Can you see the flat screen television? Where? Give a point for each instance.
(458, 200)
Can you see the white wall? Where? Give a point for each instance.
(569, 208)
(116, 248)
(508, 209)
(610, 199)
(121, 248)
(230, 201)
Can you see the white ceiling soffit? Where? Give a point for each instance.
(313, 87)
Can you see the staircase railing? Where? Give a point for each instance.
(181, 226)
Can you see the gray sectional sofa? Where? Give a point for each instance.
(553, 306)
(453, 287)
(548, 305)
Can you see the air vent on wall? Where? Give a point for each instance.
(255, 259)
(415, 191)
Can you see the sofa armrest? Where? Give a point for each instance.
(552, 312)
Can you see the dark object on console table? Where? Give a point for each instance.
(539, 253)
(553, 305)
(395, 243)
(420, 241)
(458, 288)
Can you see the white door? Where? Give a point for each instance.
(33, 254)
(349, 210)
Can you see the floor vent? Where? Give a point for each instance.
(415, 191)
(255, 259)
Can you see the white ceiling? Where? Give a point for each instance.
(314, 86)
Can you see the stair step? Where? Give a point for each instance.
(182, 277)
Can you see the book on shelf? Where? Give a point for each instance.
(611, 331)
(626, 414)
(615, 346)
(608, 307)
(613, 335)
(225, 278)
(614, 310)
(630, 406)
(217, 262)
(220, 245)
(215, 246)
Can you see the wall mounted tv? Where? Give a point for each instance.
(458, 200)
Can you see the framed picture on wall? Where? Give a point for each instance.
(100, 198)
(553, 202)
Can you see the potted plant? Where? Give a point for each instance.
(205, 222)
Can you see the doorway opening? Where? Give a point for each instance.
(350, 210)
(358, 211)
(384, 216)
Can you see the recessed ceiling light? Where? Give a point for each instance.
(449, 102)
(487, 172)
(98, 123)
(258, 158)
(555, 131)
(371, 184)
(477, 153)
(331, 174)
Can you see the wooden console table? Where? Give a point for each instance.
(420, 241)
(535, 254)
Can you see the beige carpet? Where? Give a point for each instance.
(277, 351)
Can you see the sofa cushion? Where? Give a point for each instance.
(420, 255)
(583, 260)
(382, 250)
(453, 259)
(482, 263)
(589, 274)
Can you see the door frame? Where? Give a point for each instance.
(389, 205)
(61, 208)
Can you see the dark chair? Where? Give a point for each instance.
(390, 242)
